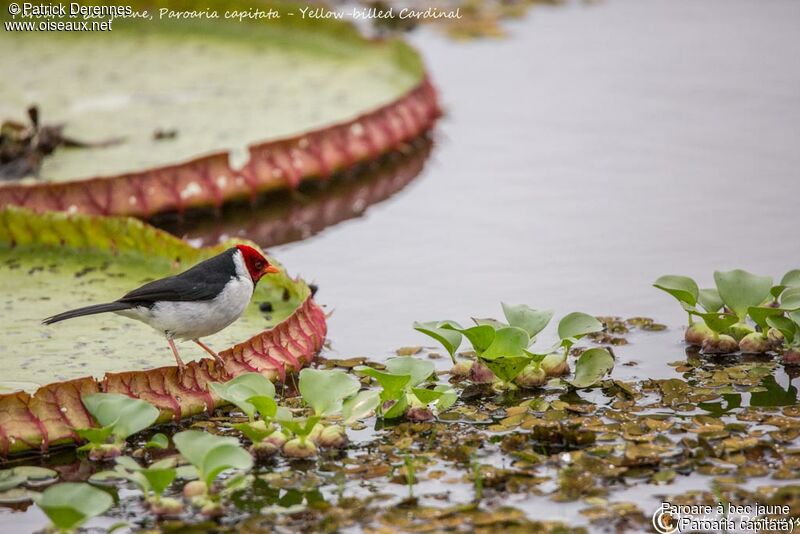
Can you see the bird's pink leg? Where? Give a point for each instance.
(211, 352)
(181, 365)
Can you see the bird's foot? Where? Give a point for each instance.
(216, 356)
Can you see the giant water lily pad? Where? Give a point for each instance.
(200, 111)
(53, 262)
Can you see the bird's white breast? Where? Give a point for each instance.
(193, 320)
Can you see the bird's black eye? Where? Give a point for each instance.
(258, 265)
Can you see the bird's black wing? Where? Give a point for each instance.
(204, 281)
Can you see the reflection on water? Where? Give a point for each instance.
(281, 218)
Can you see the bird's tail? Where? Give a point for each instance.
(88, 310)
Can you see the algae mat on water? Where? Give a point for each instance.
(201, 111)
(53, 262)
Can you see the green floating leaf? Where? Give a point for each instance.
(265, 406)
(9, 479)
(508, 367)
(324, 390)
(418, 370)
(448, 398)
(393, 385)
(785, 326)
(70, 504)
(125, 415)
(741, 290)
(211, 454)
(709, 299)
(790, 300)
(360, 405)
(239, 390)
(718, 322)
(449, 338)
(576, 325)
(397, 409)
(760, 314)
(591, 367)
(158, 441)
(509, 342)
(682, 288)
(426, 396)
(494, 323)
(525, 317)
(480, 336)
(159, 479)
(255, 431)
(791, 279)
(300, 427)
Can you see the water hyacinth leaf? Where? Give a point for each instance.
(448, 398)
(158, 441)
(159, 479)
(418, 370)
(791, 279)
(449, 338)
(479, 336)
(324, 390)
(682, 288)
(709, 299)
(718, 322)
(124, 414)
(507, 368)
(9, 479)
(488, 321)
(34, 473)
(241, 388)
(760, 314)
(397, 409)
(301, 427)
(265, 406)
(740, 290)
(256, 431)
(70, 504)
(392, 385)
(577, 325)
(509, 342)
(427, 396)
(790, 300)
(785, 326)
(222, 458)
(211, 454)
(591, 367)
(360, 405)
(525, 317)
(95, 435)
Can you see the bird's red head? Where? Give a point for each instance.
(257, 265)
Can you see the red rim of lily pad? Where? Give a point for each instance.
(273, 165)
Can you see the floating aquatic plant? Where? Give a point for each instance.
(69, 505)
(301, 446)
(118, 417)
(739, 313)
(211, 455)
(402, 392)
(503, 349)
(152, 481)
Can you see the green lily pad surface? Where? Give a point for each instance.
(53, 262)
(212, 85)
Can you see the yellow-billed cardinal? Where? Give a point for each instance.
(193, 304)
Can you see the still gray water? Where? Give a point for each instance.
(596, 148)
